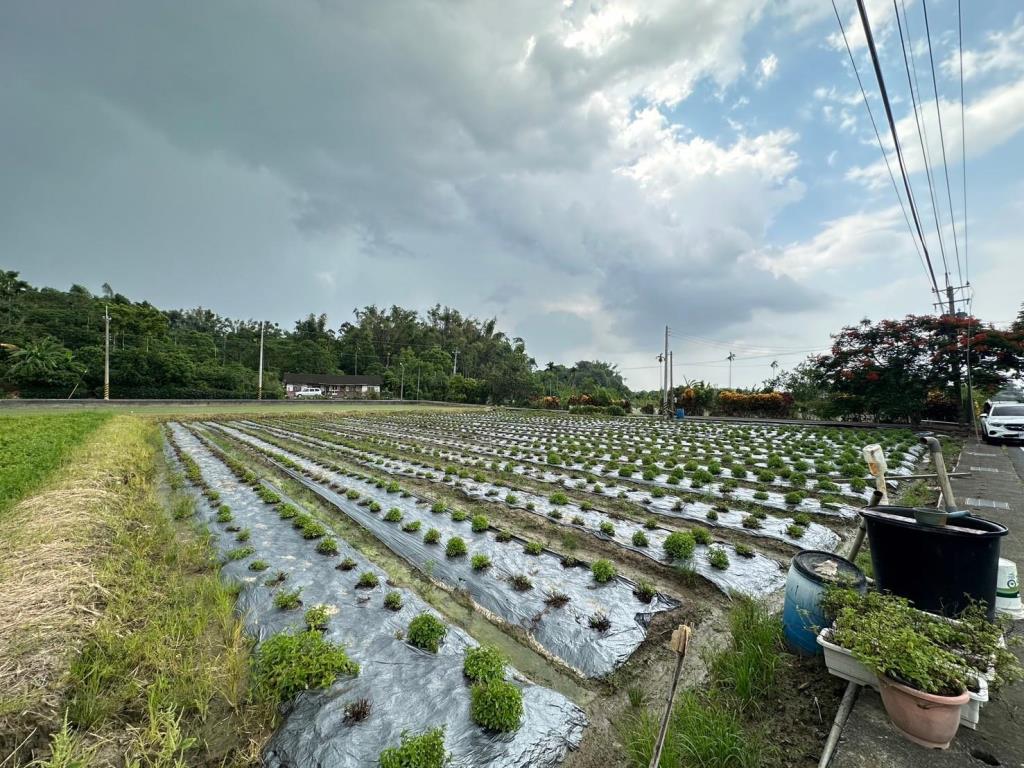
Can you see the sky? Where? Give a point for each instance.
(587, 172)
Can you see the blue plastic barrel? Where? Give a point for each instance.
(809, 574)
(680, 413)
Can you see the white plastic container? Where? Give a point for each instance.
(840, 662)
(1008, 590)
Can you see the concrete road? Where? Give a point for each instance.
(869, 740)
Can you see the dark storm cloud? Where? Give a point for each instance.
(279, 158)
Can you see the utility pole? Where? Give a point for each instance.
(418, 369)
(671, 386)
(106, 352)
(730, 358)
(664, 399)
(401, 390)
(661, 380)
(455, 362)
(259, 380)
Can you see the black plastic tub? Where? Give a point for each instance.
(941, 569)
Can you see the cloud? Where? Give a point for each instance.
(1004, 53)
(991, 119)
(767, 68)
(854, 240)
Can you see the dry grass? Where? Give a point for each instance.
(53, 543)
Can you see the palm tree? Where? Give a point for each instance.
(42, 360)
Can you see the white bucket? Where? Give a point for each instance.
(1008, 590)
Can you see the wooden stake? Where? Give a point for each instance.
(680, 639)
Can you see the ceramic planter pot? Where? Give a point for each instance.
(924, 718)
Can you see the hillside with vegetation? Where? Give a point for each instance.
(53, 347)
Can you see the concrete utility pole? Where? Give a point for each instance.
(664, 398)
(259, 380)
(672, 387)
(455, 362)
(401, 389)
(730, 358)
(106, 352)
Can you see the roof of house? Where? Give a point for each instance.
(321, 379)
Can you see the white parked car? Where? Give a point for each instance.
(310, 392)
(1004, 421)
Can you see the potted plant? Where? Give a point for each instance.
(923, 685)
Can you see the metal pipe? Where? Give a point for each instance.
(845, 707)
(935, 449)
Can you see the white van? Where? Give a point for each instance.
(310, 392)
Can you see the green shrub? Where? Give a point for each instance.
(439, 507)
(858, 484)
(651, 524)
(521, 582)
(286, 601)
(367, 580)
(679, 545)
(794, 497)
(412, 526)
(432, 536)
(533, 548)
(795, 531)
(484, 664)
(761, 495)
(639, 539)
(375, 506)
(423, 751)
(603, 570)
(327, 546)
(258, 565)
(393, 601)
(480, 562)
(751, 522)
(607, 528)
(711, 514)
(645, 591)
(503, 536)
(744, 550)
(317, 617)
(287, 511)
(456, 547)
(240, 553)
(426, 631)
(701, 535)
(578, 520)
(287, 664)
(479, 523)
(346, 565)
(224, 514)
(558, 498)
(394, 515)
(497, 706)
(352, 494)
(511, 499)
(718, 558)
(393, 487)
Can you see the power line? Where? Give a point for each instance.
(895, 137)
(942, 140)
(878, 138)
(922, 130)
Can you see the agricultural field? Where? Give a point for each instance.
(565, 548)
(34, 446)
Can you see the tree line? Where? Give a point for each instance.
(52, 345)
